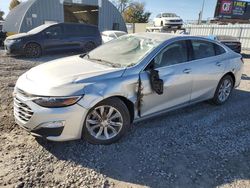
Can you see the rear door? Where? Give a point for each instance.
(72, 37)
(174, 69)
(208, 66)
(52, 38)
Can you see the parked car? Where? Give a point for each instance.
(230, 41)
(59, 37)
(111, 35)
(98, 96)
(168, 20)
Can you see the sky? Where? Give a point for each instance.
(186, 9)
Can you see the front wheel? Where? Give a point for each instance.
(107, 122)
(89, 46)
(224, 90)
(33, 50)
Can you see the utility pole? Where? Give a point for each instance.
(201, 12)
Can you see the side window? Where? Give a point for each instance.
(203, 49)
(53, 32)
(88, 31)
(219, 50)
(173, 54)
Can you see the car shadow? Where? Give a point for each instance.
(199, 146)
(245, 56)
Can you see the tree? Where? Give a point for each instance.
(1, 15)
(135, 13)
(122, 5)
(13, 4)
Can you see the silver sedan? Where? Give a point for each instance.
(97, 96)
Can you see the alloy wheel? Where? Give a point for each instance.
(225, 90)
(104, 122)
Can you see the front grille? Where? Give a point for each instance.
(175, 21)
(22, 111)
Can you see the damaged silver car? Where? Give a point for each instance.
(97, 96)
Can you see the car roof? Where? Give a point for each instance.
(158, 36)
(162, 37)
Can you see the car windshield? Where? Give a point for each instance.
(38, 29)
(126, 51)
(169, 15)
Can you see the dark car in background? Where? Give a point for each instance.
(57, 37)
(230, 41)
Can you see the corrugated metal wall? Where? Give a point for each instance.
(53, 10)
(41, 11)
(241, 31)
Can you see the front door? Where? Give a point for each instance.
(174, 69)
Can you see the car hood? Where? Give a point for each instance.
(65, 77)
(17, 36)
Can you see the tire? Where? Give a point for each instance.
(33, 50)
(89, 46)
(161, 23)
(224, 88)
(98, 125)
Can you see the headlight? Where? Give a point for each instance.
(11, 41)
(56, 102)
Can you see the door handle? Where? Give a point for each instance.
(219, 64)
(187, 71)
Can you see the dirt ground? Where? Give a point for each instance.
(198, 146)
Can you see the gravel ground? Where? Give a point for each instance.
(198, 146)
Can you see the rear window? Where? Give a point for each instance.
(203, 49)
(80, 30)
(219, 50)
(89, 31)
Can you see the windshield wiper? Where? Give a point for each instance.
(105, 62)
(83, 55)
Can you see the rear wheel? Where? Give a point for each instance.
(33, 50)
(224, 90)
(107, 122)
(89, 46)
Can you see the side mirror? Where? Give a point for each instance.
(157, 84)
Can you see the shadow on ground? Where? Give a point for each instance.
(246, 55)
(199, 146)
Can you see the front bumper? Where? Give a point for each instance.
(32, 117)
(14, 48)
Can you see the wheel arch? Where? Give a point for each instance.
(129, 104)
(33, 42)
(230, 74)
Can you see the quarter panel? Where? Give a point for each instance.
(206, 76)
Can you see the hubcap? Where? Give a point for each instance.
(104, 122)
(225, 90)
